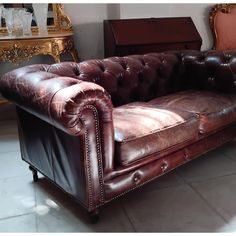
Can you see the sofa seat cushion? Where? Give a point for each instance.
(214, 109)
(142, 129)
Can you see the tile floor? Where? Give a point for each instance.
(197, 197)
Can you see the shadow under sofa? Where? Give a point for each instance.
(101, 128)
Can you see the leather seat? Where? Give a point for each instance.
(142, 129)
(214, 109)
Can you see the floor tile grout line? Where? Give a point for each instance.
(15, 216)
(165, 187)
(11, 151)
(210, 178)
(229, 157)
(208, 204)
(17, 150)
(205, 200)
(207, 179)
(129, 219)
(35, 205)
(190, 184)
(14, 177)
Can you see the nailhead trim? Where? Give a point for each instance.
(163, 173)
(98, 148)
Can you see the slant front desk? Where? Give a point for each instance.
(139, 36)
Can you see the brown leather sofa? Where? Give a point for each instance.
(101, 128)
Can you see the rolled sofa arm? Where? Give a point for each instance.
(57, 100)
(75, 107)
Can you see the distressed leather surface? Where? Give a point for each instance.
(71, 105)
(142, 129)
(215, 110)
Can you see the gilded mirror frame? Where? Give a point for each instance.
(224, 8)
(61, 21)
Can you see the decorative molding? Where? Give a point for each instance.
(16, 50)
(62, 22)
(18, 53)
(224, 8)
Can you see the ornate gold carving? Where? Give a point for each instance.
(62, 22)
(68, 46)
(17, 53)
(224, 8)
(18, 50)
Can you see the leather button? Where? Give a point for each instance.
(76, 71)
(164, 166)
(186, 155)
(135, 179)
(227, 59)
(102, 68)
(211, 79)
(124, 66)
(143, 63)
(235, 83)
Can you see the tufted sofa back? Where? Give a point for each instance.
(141, 77)
(144, 77)
(209, 70)
(126, 79)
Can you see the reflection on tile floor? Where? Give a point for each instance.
(197, 197)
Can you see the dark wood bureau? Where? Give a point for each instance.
(139, 36)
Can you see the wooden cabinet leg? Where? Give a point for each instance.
(35, 173)
(56, 58)
(74, 55)
(94, 216)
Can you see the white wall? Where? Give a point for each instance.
(87, 20)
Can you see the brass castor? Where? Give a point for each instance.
(35, 173)
(94, 216)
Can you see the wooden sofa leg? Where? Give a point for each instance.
(94, 216)
(35, 173)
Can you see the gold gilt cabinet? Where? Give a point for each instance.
(17, 50)
(58, 41)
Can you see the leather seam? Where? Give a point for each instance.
(88, 164)
(163, 173)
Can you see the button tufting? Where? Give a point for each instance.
(102, 68)
(227, 59)
(164, 166)
(124, 66)
(211, 79)
(186, 155)
(76, 71)
(142, 62)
